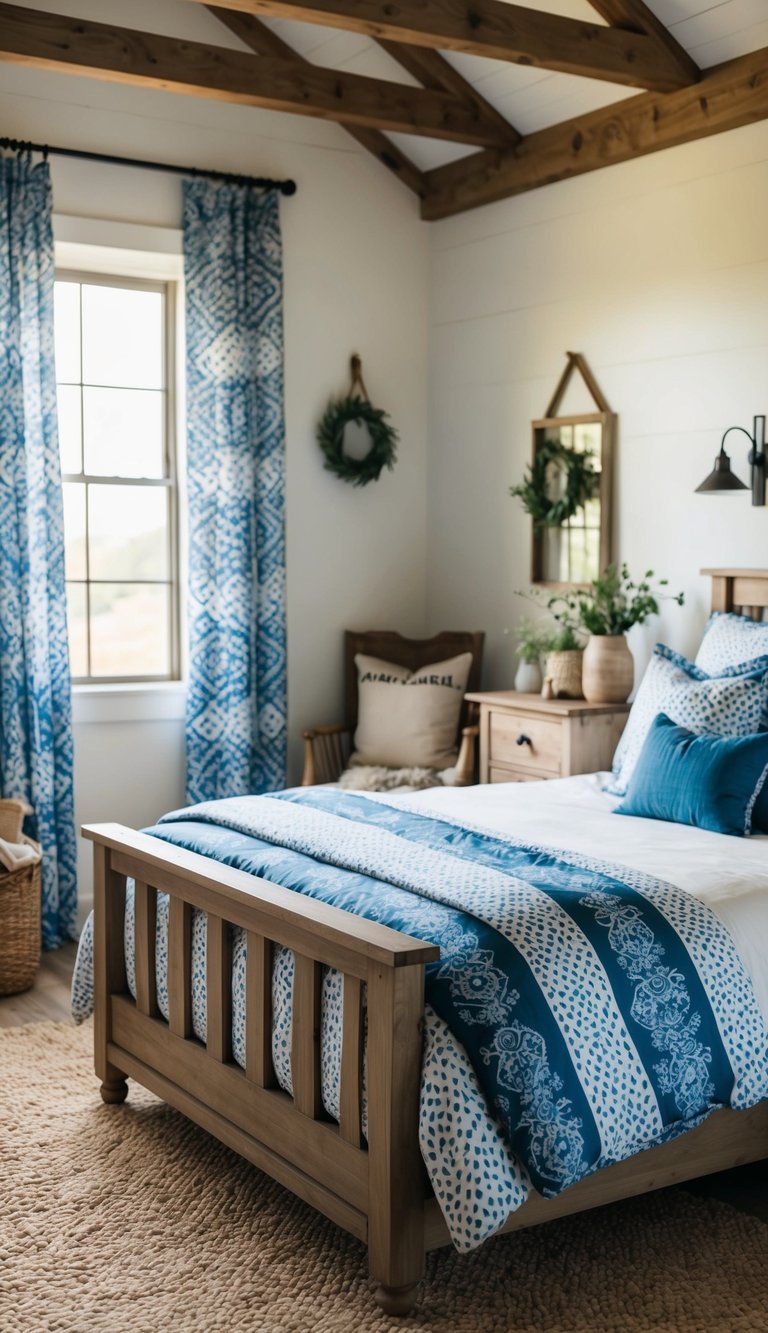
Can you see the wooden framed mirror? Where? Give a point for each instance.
(579, 548)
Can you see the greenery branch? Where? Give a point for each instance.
(610, 605)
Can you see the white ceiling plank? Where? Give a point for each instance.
(530, 114)
(375, 63)
(487, 75)
(676, 11)
(722, 20)
(731, 45)
(428, 153)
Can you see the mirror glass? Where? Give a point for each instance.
(579, 549)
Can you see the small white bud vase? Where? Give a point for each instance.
(528, 678)
(608, 671)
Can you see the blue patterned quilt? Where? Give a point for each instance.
(602, 1011)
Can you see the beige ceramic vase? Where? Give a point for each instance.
(608, 672)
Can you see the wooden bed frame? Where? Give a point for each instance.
(377, 1189)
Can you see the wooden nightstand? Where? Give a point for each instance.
(524, 737)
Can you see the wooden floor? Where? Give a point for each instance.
(48, 1001)
(745, 1188)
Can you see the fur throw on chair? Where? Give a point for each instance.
(374, 777)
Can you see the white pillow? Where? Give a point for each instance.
(731, 641)
(409, 718)
(720, 706)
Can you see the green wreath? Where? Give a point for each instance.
(356, 407)
(581, 484)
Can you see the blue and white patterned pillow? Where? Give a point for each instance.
(731, 642)
(731, 705)
(751, 668)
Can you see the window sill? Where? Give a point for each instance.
(153, 702)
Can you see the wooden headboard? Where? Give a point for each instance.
(744, 590)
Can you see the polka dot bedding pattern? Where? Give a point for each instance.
(578, 1012)
(473, 1174)
(726, 705)
(732, 642)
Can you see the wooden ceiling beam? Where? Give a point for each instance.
(264, 42)
(428, 66)
(727, 97)
(434, 71)
(122, 55)
(635, 16)
(492, 28)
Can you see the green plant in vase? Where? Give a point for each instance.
(606, 609)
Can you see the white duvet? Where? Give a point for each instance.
(729, 874)
(472, 1162)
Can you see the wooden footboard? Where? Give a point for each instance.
(374, 1190)
(377, 1190)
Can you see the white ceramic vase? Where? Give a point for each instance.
(608, 672)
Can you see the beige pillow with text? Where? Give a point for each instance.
(409, 718)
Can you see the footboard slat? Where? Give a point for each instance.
(258, 1010)
(373, 1188)
(219, 988)
(180, 967)
(145, 918)
(305, 1039)
(108, 966)
(351, 1098)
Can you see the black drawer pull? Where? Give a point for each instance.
(524, 740)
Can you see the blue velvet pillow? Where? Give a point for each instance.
(760, 812)
(711, 782)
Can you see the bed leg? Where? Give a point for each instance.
(396, 1251)
(114, 1089)
(396, 1300)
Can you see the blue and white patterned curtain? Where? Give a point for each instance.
(36, 753)
(236, 710)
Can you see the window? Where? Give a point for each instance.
(114, 359)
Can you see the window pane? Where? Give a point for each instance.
(129, 630)
(128, 532)
(74, 530)
(66, 318)
(587, 439)
(69, 427)
(592, 513)
(122, 337)
(123, 432)
(78, 629)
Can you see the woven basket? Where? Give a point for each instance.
(20, 926)
(564, 670)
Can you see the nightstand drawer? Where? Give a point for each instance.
(526, 742)
(515, 775)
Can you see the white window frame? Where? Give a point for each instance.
(91, 247)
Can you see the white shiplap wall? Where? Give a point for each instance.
(658, 271)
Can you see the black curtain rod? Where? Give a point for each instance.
(24, 146)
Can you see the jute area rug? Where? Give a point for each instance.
(129, 1219)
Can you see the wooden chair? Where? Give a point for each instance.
(327, 749)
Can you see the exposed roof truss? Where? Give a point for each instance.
(631, 47)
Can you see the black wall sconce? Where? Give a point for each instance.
(722, 479)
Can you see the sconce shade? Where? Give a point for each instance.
(721, 478)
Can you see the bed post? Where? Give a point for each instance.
(108, 967)
(396, 1247)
